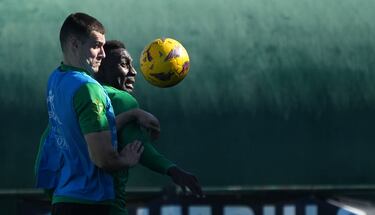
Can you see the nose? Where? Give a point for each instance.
(133, 71)
(102, 52)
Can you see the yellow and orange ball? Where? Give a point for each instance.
(164, 62)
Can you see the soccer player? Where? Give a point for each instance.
(117, 75)
(80, 145)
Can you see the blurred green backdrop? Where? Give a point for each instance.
(278, 93)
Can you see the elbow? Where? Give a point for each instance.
(105, 165)
(109, 164)
(102, 163)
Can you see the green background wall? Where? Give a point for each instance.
(279, 92)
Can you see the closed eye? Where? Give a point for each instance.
(98, 45)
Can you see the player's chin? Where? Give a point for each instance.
(95, 65)
(129, 87)
(95, 68)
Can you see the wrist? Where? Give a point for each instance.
(172, 170)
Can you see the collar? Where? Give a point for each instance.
(66, 68)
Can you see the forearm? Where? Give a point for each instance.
(114, 162)
(125, 117)
(102, 152)
(172, 170)
(155, 161)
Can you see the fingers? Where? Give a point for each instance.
(149, 121)
(154, 127)
(154, 135)
(183, 188)
(132, 153)
(194, 186)
(152, 123)
(196, 189)
(136, 146)
(191, 182)
(152, 131)
(140, 150)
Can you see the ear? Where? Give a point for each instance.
(75, 43)
(72, 43)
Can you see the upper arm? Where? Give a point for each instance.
(89, 105)
(100, 147)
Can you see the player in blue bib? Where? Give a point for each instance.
(79, 148)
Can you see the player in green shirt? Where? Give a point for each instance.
(117, 75)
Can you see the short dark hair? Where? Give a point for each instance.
(79, 25)
(113, 44)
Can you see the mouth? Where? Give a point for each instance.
(95, 66)
(97, 62)
(129, 83)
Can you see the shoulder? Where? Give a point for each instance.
(90, 102)
(71, 79)
(84, 79)
(90, 89)
(115, 94)
(89, 93)
(121, 100)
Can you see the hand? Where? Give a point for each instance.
(131, 153)
(149, 122)
(185, 179)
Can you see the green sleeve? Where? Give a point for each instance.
(41, 142)
(121, 101)
(48, 192)
(89, 103)
(150, 157)
(153, 160)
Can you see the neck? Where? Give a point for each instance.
(70, 62)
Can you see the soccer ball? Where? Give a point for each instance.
(164, 62)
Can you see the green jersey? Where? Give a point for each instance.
(150, 158)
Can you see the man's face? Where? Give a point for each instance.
(122, 71)
(91, 52)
